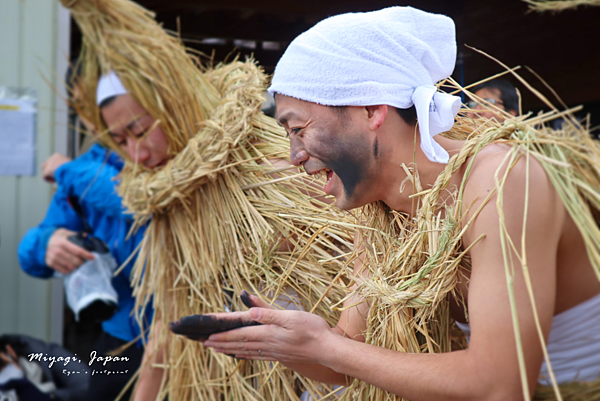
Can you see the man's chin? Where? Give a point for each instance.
(344, 203)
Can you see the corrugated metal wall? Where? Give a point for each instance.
(34, 45)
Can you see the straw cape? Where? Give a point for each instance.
(215, 217)
(415, 263)
(559, 5)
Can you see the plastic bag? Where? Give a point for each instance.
(89, 289)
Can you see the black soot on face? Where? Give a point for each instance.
(349, 161)
(200, 327)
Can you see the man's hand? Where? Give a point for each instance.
(286, 336)
(283, 340)
(64, 256)
(51, 164)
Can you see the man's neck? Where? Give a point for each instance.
(396, 189)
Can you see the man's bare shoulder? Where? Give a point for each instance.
(498, 167)
(522, 183)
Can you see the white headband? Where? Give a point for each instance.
(109, 85)
(392, 56)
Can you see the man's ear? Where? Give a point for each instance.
(512, 112)
(376, 115)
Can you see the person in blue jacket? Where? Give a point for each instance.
(45, 250)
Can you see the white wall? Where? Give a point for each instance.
(34, 45)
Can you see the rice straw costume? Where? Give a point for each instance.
(395, 57)
(218, 210)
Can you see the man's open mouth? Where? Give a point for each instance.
(327, 173)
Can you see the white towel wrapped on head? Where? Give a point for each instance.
(109, 86)
(392, 56)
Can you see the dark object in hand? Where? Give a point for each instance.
(246, 300)
(89, 242)
(200, 327)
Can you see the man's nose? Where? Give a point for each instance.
(137, 151)
(298, 155)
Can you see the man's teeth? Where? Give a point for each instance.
(323, 174)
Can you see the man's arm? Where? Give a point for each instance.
(151, 378)
(53, 230)
(489, 368)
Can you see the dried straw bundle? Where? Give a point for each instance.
(559, 5)
(210, 235)
(120, 35)
(214, 211)
(415, 264)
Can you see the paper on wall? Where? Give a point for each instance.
(17, 131)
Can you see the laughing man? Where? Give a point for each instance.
(353, 92)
